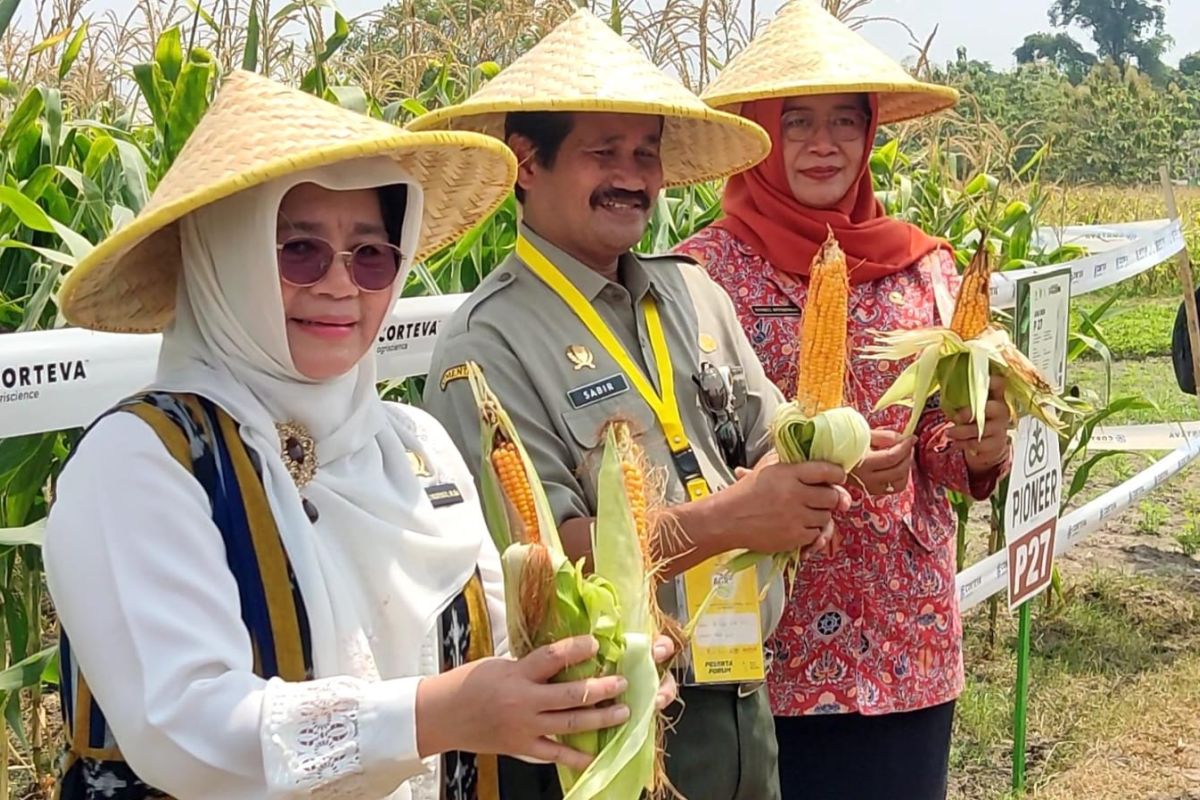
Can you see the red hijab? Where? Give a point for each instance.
(761, 211)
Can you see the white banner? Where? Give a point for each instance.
(980, 581)
(50, 380)
(1158, 436)
(1116, 252)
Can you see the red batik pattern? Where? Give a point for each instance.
(872, 627)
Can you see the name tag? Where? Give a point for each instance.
(789, 310)
(599, 390)
(443, 494)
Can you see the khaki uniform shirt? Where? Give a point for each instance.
(519, 331)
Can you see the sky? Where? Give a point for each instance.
(989, 29)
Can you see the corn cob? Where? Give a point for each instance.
(821, 367)
(958, 361)
(516, 486)
(815, 426)
(548, 598)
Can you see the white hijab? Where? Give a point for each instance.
(375, 570)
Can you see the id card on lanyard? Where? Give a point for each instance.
(727, 645)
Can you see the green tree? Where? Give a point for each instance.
(1059, 49)
(1189, 65)
(1124, 30)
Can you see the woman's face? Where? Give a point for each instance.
(332, 323)
(824, 140)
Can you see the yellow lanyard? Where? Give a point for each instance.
(666, 406)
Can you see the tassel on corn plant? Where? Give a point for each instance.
(549, 598)
(958, 361)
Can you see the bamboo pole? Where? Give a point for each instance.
(1184, 265)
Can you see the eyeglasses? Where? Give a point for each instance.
(304, 260)
(801, 125)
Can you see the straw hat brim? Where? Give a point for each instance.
(257, 131)
(698, 143)
(898, 102)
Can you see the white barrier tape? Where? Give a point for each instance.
(1157, 436)
(980, 581)
(50, 380)
(1139, 246)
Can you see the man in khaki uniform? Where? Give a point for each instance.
(573, 331)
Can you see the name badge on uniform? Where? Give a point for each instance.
(599, 390)
(443, 494)
(788, 310)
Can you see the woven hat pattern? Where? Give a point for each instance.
(583, 65)
(805, 50)
(255, 131)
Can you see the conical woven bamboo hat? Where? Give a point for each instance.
(583, 65)
(255, 131)
(805, 50)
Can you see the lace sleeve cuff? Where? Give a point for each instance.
(340, 738)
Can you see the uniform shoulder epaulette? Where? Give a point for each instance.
(670, 256)
(497, 281)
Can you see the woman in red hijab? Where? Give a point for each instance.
(867, 661)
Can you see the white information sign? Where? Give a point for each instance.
(1035, 484)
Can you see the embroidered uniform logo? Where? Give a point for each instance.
(598, 390)
(443, 494)
(417, 461)
(580, 357)
(452, 374)
(788, 310)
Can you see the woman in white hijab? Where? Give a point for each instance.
(270, 582)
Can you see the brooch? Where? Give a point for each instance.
(299, 452)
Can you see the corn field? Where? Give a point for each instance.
(95, 106)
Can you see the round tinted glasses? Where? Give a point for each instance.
(304, 260)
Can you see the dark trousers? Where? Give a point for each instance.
(722, 747)
(853, 757)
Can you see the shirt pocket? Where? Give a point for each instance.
(587, 425)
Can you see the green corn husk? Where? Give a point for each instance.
(549, 598)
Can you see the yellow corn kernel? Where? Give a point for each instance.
(973, 309)
(514, 482)
(821, 363)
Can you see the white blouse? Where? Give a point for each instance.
(139, 578)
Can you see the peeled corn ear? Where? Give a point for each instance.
(958, 362)
(549, 598)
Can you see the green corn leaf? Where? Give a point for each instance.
(40, 297)
(188, 105)
(348, 97)
(27, 211)
(341, 32)
(53, 114)
(489, 69)
(28, 672)
(250, 54)
(199, 11)
(55, 256)
(147, 77)
(7, 87)
(8, 9)
(614, 18)
(101, 149)
(168, 53)
(136, 189)
(22, 117)
(72, 51)
(49, 42)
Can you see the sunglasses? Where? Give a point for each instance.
(304, 260)
(714, 396)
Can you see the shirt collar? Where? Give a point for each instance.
(638, 279)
